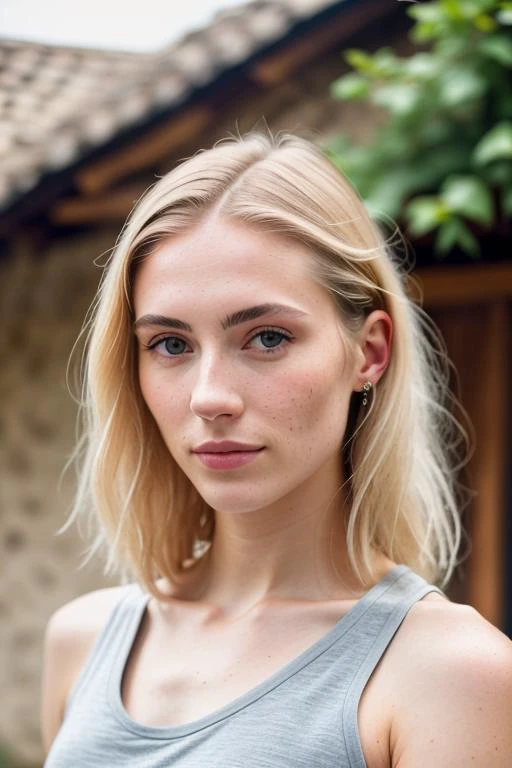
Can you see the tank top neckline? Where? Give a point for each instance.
(341, 627)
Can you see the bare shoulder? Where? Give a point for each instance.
(439, 628)
(73, 628)
(85, 614)
(70, 634)
(452, 692)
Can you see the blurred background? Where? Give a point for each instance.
(413, 101)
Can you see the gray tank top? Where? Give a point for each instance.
(303, 716)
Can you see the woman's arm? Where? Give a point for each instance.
(57, 655)
(455, 702)
(69, 637)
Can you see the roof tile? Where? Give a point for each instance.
(58, 102)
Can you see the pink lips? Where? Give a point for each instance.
(226, 454)
(223, 446)
(228, 459)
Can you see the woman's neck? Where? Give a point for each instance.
(294, 552)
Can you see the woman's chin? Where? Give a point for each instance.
(243, 500)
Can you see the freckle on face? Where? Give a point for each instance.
(224, 389)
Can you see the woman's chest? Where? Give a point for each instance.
(174, 679)
(177, 675)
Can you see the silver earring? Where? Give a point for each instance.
(366, 389)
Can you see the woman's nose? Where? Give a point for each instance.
(214, 392)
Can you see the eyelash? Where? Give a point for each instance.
(152, 347)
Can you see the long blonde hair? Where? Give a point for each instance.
(401, 459)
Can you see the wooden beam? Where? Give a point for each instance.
(112, 207)
(275, 67)
(464, 284)
(151, 147)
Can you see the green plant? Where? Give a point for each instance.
(5, 759)
(442, 158)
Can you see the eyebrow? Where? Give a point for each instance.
(242, 316)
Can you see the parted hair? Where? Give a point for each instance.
(401, 453)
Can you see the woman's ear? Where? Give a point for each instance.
(374, 341)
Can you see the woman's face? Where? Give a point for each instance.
(279, 381)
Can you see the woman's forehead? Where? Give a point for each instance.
(226, 243)
(226, 258)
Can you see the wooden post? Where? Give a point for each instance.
(486, 577)
(478, 342)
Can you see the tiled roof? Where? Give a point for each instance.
(57, 104)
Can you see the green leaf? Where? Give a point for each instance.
(470, 197)
(484, 23)
(460, 85)
(386, 63)
(453, 9)
(468, 242)
(471, 9)
(360, 61)
(467, 9)
(504, 16)
(495, 145)
(425, 214)
(389, 188)
(399, 98)
(497, 47)
(446, 237)
(422, 32)
(431, 13)
(351, 86)
(423, 66)
(452, 233)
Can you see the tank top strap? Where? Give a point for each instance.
(375, 630)
(114, 639)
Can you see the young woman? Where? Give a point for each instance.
(270, 458)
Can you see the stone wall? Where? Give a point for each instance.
(43, 300)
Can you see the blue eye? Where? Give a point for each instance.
(277, 336)
(172, 344)
(175, 347)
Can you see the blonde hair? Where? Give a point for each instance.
(400, 460)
